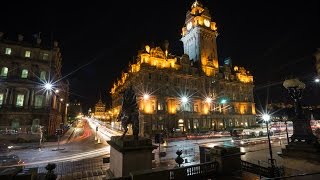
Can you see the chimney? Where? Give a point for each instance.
(1, 35)
(55, 43)
(20, 37)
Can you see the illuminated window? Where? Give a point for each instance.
(38, 101)
(207, 22)
(189, 26)
(8, 51)
(1, 99)
(43, 75)
(4, 72)
(45, 56)
(24, 73)
(20, 99)
(27, 54)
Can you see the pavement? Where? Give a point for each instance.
(34, 145)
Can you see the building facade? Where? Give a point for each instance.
(31, 91)
(74, 109)
(188, 93)
(100, 110)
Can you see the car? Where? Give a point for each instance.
(10, 160)
(4, 147)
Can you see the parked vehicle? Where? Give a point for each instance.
(10, 160)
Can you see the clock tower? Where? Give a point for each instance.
(199, 38)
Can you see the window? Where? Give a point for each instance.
(20, 99)
(38, 101)
(4, 72)
(24, 73)
(149, 75)
(45, 56)
(27, 54)
(8, 51)
(1, 99)
(43, 75)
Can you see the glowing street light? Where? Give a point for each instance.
(208, 100)
(317, 80)
(184, 99)
(48, 86)
(223, 101)
(146, 96)
(266, 117)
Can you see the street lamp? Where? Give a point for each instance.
(48, 86)
(184, 100)
(285, 122)
(301, 124)
(266, 119)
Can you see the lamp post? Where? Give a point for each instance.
(184, 101)
(286, 124)
(301, 124)
(266, 118)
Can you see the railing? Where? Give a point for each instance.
(199, 171)
(260, 170)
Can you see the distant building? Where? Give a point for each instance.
(188, 93)
(74, 109)
(100, 110)
(30, 97)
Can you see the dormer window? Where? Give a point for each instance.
(27, 54)
(8, 51)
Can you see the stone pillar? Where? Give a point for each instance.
(26, 101)
(6, 100)
(11, 98)
(228, 157)
(129, 155)
(31, 98)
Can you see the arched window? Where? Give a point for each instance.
(43, 75)
(4, 72)
(24, 73)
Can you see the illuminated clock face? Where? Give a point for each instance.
(189, 25)
(207, 22)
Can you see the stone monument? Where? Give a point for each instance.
(130, 153)
(303, 143)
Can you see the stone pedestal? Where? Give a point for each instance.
(228, 157)
(128, 155)
(301, 150)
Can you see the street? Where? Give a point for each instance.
(86, 146)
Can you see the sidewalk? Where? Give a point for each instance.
(64, 139)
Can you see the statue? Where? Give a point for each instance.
(129, 113)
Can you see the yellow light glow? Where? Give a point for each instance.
(207, 22)
(147, 48)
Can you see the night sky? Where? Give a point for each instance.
(272, 39)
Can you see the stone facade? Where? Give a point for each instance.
(191, 92)
(100, 110)
(25, 103)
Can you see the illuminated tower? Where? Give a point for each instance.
(199, 38)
